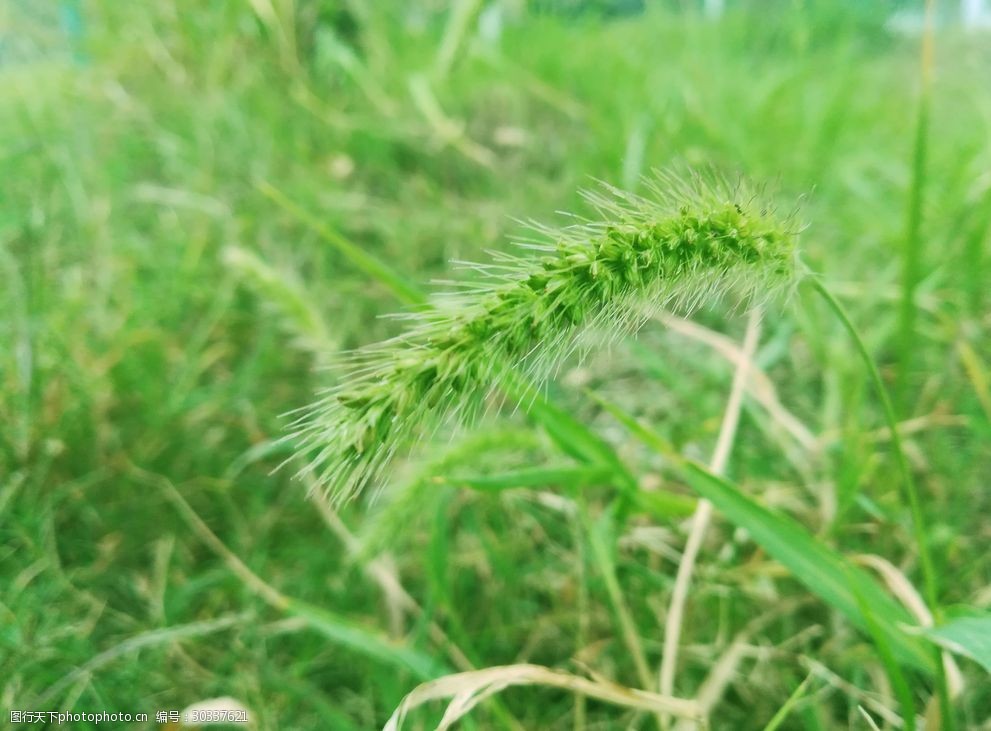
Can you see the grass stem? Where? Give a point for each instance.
(909, 489)
(912, 254)
(703, 512)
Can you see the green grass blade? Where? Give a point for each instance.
(908, 483)
(662, 505)
(966, 636)
(659, 504)
(346, 633)
(909, 492)
(896, 677)
(789, 705)
(912, 253)
(370, 265)
(648, 436)
(567, 476)
(578, 441)
(602, 542)
(570, 435)
(823, 571)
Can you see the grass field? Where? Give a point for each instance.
(202, 203)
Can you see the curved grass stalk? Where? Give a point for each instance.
(688, 242)
(467, 690)
(909, 490)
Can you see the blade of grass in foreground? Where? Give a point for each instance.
(909, 491)
(900, 686)
(657, 504)
(565, 476)
(570, 435)
(346, 633)
(966, 636)
(580, 442)
(823, 571)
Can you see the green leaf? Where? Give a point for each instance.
(789, 705)
(663, 504)
(900, 686)
(824, 571)
(400, 287)
(570, 435)
(648, 436)
(567, 477)
(966, 636)
(346, 633)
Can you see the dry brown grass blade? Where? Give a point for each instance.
(977, 374)
(722, 672)
(908, 595)
(703, 512)
(467, 690)
(909, 426)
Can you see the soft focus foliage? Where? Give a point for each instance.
(180, 183)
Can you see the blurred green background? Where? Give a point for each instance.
(174, 180)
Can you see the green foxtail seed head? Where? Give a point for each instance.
(686, 242)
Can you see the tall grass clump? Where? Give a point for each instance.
(689, 240)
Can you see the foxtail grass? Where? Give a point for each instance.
(690, 240)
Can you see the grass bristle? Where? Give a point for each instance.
(690, 240)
